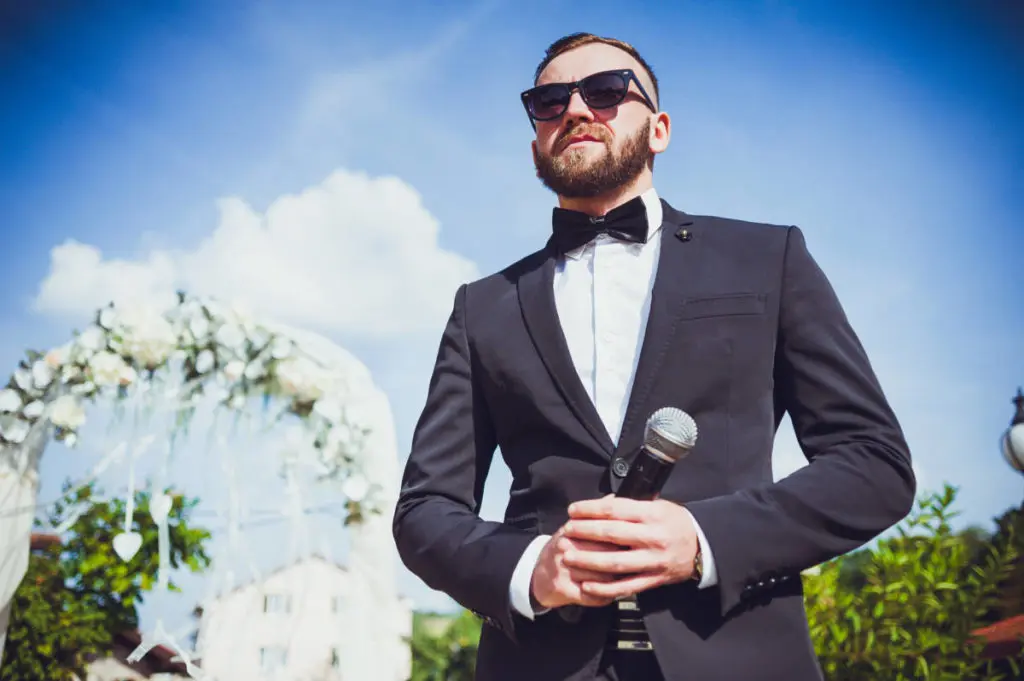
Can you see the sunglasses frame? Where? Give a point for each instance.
(626, 74)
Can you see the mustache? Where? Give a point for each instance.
(580, 130)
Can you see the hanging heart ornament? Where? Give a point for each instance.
(127, 544)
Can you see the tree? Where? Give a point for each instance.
(1010, 531)
(444, 648)
(77, 594)
(909, 609)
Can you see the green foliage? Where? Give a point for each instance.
(907, 609)
(444, 648)
(77, 595)
(1010, 532)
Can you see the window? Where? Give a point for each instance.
(277, 604)
(273, 658)
(335, 659)
(336, 603)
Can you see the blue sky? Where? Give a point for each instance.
(142, 146)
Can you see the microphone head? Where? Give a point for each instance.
(670, 433)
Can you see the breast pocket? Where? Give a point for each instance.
(728, 305)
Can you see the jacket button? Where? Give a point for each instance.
(620, 467)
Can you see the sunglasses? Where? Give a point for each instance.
(599, 91)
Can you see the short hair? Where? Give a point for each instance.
(575, 40)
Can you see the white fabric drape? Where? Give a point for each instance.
(19, 489)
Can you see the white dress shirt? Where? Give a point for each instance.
(603, 297)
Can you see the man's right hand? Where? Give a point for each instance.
(554, 584)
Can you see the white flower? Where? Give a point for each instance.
(33, 410)
(23, 379)
(86, 388)
(199, 326)
(67, 412)
(280, 348)
(42, 374)
(57, 357)
(355, 487)
(10, 401)
(92, 340)
(69, 372)
(204, 362)
(299, 377)
(255, 370)
(234, 370)
(230, 336)
(107, 368)
(13, 429)
(128, 375)
(148, 337)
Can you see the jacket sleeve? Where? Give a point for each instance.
(437, 529)
(859, 481)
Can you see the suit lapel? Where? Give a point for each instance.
(537, 300)
(676, 277)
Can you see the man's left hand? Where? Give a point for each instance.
(658, 538)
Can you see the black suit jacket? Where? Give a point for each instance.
(743, 328)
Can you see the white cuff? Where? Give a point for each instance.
(709, 574)
(519, 588)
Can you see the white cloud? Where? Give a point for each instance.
(354, 254)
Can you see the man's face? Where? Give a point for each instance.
(589, 152)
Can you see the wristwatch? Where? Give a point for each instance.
(698, 565)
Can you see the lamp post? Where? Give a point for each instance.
(1013, 438)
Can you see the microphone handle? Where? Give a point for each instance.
(643, 482)
(645, 478)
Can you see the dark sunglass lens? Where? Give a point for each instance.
(603, 90)
(548, 101)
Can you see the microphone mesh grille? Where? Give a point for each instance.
(672, 431)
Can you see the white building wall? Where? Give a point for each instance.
(295, 641)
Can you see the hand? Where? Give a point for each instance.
(555, 584)
(657, 538)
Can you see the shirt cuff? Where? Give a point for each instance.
(709, 574)
(519, 588)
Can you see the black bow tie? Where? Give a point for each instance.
(572, 229)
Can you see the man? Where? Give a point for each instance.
(559, 359)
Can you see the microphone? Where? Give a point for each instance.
(670, 434)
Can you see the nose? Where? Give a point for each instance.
(577, 108)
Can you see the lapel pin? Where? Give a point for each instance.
(684, 235)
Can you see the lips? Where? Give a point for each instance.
(580, 137)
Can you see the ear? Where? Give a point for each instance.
(533, 150)
(661, 132)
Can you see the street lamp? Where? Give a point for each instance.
(1013, 438)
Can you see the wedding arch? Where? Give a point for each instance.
(195, 353)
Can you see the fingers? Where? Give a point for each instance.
(611, 508)
(581, 575)
(615, 532)
(616, 562)
(621, 587)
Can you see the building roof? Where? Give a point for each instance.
(40, 540)
(1004, 638)
(276, 571)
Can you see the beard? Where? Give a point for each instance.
(574, 176)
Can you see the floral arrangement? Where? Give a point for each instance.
(197, 348)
